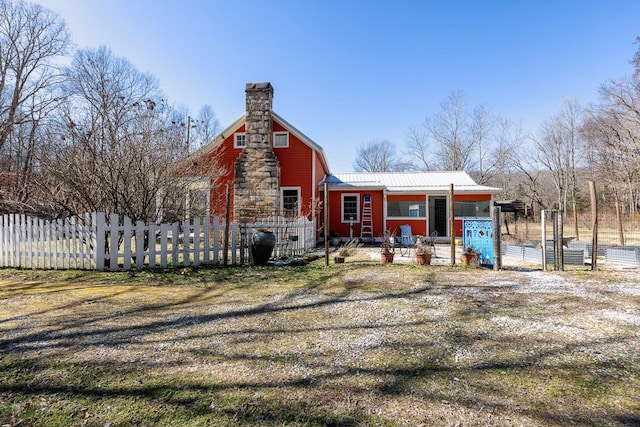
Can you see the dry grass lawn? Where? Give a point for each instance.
(352, 344)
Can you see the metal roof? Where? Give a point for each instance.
(433, 182)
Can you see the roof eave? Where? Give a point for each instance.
(219, 139)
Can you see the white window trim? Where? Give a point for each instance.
(235, 140)
(299, 189)
(280, 133)
(357, 218)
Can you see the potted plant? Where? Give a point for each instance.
(346, 250)
(386, 247)
(423, 252)
(469, 257)
(334, 238)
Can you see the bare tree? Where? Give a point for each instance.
(20, 160)
(481, 130)
(613, 134)
(503, 161)
(529, 182)
(31, 38)
(445, 142)
(419, 148)
(117, 141)
(198, 131)
(380, 156)
(556, 150)
(449, 130)
(207, 127)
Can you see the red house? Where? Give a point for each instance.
(366, 204)
(274, 169)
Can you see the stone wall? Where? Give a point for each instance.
(257, 170)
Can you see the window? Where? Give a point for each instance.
(472, 208)
(350, 211)
(410, 208)
(240, 140)
(290, 202)
(197, 202)
(280, 139)
(197, 198)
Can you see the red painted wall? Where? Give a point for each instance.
(418, 226)
(295, 169)
(335, 212)
(471, 197)
(227, 159)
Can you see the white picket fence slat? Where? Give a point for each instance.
(95, 242)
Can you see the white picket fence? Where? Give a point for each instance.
(97, 242)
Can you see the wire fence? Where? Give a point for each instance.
(618, 238)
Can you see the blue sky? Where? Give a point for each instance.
(349, 72)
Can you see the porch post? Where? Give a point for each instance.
(543, 221)
(325, 228)
(384, 213)
(452, 225)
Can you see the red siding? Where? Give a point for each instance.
(472, 197)
(335, 212)
(457, 223)
(296, 169)
(418, 226)
(227, 159)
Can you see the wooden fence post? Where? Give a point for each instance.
(325, 227)
(560, 241)
(452, 224)
(543, 222)
(497, 239)
(619, 220)
(227, 219)
(594, 225)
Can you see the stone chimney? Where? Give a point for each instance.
(257, 170)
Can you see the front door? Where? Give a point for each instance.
(438, 215)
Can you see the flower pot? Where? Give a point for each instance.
(423, 259)
(386, 257)
(262, 244)
(469, 258)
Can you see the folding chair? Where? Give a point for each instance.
(405, 242)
